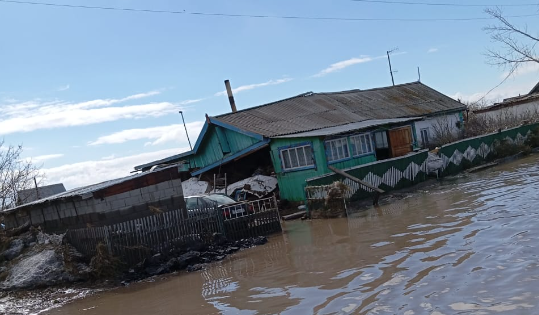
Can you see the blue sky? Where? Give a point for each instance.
(92, 93)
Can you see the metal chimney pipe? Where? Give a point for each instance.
(230, 96)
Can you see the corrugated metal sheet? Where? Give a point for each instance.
(535, 89)
(509, 102)
(312, 111)
(29, 195)
(348, 127)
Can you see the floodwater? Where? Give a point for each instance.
(466, 245)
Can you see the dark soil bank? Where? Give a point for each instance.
(190, 256)
(33, 259)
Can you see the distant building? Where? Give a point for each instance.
(299, 137)
(33, 194)
(521, 107)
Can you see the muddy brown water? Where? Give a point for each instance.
(466, 245)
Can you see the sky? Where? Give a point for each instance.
(92, 93)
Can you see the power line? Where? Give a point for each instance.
(258, 16)
(509, 74)
(450, 4)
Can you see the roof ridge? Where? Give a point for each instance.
(371, 89)
(267, 104)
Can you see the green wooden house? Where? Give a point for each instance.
(297, 138)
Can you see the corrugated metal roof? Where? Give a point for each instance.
(84, 191)
(508, 102)
(28, 195)
(312, 111)
(535, 89)
(349, 127)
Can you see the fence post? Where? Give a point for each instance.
(220, 220)
(277, 207)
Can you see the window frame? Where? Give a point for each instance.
(295, 146)
(423, 142)
(328, 141)
(371, 142)
(384, 137)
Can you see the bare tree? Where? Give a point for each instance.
(445, 131)
(15, 174)
(518, 44)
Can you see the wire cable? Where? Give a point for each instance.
(509, 74)
(257, 16)
(450, 4)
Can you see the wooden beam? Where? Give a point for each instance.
(357, 180)
(292, 216)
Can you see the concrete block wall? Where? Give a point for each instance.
(78, 213)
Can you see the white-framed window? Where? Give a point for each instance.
(297, 157)
(425, 137)
(337, 149)
(380, 138)
(361, 144)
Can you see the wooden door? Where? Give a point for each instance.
(400, 141)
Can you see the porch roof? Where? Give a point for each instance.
(349, 127)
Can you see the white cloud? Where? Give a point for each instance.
(63, 88)
(343, 64)
(92, 172)
(350, 62)
(496, 95)
(527, 68)
(432, 50)
(41, 158)
(159, 135)
(108, 157)
(187, 102)
(9, 100)
(38, 114)
(254, 86)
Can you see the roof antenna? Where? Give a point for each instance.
(389, 61)
(418, 75)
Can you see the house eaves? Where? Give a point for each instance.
(198, 143)
(349, 127)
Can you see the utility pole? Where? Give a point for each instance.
(418, 75)
(389, 61)
(186, 133)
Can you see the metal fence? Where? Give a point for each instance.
(135, 240)
(263, 218)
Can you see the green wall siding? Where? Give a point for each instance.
(292, 183)
(210, 149)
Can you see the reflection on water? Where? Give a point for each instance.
(464, 245)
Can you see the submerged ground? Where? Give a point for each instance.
(463, 245)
